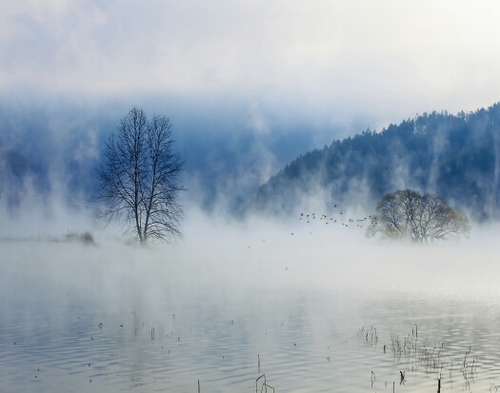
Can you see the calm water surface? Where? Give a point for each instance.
(73, 319)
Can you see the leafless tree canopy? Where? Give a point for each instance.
(140, 178)
(408, 214)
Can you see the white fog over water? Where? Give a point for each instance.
(249, 87)
(316, 308)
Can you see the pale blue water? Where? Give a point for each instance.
(90, 324)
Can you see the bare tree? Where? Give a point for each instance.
(140, 178)
(408, 214)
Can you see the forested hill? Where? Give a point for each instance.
(455, 156)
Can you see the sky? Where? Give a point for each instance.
(248, 85)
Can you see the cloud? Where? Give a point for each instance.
(350, 58)
(257, 119)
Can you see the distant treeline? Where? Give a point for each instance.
(454, 156)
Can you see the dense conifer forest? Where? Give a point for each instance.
(454, 156)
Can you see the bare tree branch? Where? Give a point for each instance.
(140, 178)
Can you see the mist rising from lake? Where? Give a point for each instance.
(292, 295)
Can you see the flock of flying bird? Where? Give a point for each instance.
(332, 220)
(312, 220)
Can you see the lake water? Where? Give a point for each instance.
(83, 319)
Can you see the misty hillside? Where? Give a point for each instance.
(455, 156)
(14, 169)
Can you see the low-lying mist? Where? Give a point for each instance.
(219, 252)
(117, 315)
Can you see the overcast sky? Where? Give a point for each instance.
(379, 57)
(328, 68)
